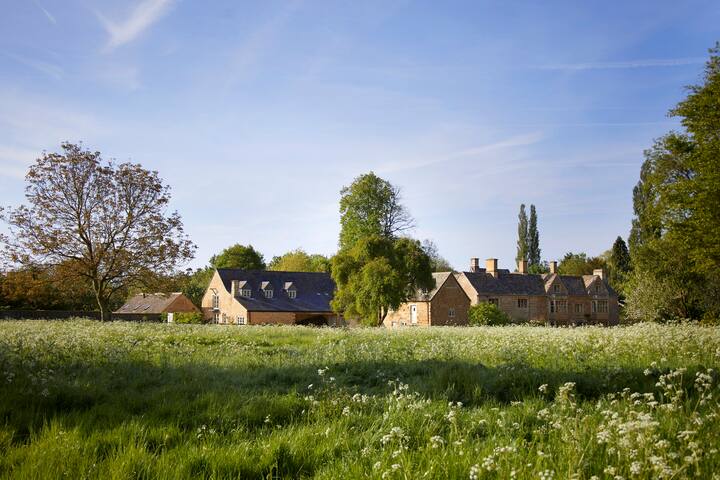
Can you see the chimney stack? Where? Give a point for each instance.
(599, 272)
(474, 264)
(491, 266)
(522, 266)
(553, 267)
(234, 288)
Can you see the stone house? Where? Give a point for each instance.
(152, 306)
(549, 298)
(256, 297)
(446, 304)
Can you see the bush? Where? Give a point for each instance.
(186, 317)
(486, 313)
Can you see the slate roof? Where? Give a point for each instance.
(506, 283)
(440, 278)
(314, 290)
(575, 285)
(148, 303)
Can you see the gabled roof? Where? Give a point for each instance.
(506, 283)
(314, 290)
(575, 285)
(149, 303)
(440, 279)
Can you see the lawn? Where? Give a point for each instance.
(82, 399)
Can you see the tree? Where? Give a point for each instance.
(300, 261)
(244, 257)
(522, 241)
(539, 268)
(533, 239)
(619, 264)
(486, 313)
(437, 262)
(579, 264)
(378, 274)
(106, 222)
(371, 206)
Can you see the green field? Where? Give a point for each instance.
(82, 399)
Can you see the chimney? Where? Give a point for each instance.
(474, 264)
(234, 288)
(491, 266)
(553, 267)
(522, 266)
(599, 272)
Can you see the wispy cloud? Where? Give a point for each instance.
(509, 143)
(49, 15)
(46, 68)
(142, 17)
(651, 63)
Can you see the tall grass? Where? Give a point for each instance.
(83, 399)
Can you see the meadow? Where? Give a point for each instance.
(83, 399)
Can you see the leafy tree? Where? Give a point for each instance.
(437, 261)
(486, 313)
(539, 268)
(579, 264)
(300, 261)
(371, 206)
(522, 241)
(106, 222)
(533, 239)
(244, 257)
(378, 274)
(619, 263)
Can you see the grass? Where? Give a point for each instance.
(82, 399)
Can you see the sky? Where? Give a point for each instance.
(258, 113)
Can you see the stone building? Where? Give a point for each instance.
(446, 304)
(152, 306)
(245, 297)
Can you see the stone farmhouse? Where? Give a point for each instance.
(446, 304)
(151, 306)
(256, 297)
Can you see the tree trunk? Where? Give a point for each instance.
(103, 304)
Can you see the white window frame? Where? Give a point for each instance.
(216, 317)
(246, 292)
(292, 294)
(240, 320)
(268, 293)
(215, 301)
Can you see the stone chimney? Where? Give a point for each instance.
(599, 272)
(234, 288)
(553, 267)
(474, 264)
(522, 266)
(491, 266)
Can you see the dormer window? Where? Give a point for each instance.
(292, 293)
(268, 293)
(290, 289)
(267, 289)
(556, 288)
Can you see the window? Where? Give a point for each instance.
(292, 293)
(224, 319)
(215, 301)
(451, 312)
(602, 306)
(553, 307)
(268, 293)
(522, 302)
(240, 320)
(246, 292)
(594, 306)
(494, 301)
(556, 288)
(562, 306)
(579, 307)
(216, 317)
(597, 288)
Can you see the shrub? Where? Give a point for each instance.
(486, 313)
(186, 317)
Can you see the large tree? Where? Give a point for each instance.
(378, 274)
(300, 261)
(522, 241)
(437, 261)
(244, 257)
(106, 223)
(371, 206)
(618, 263)
(533, 239)
(579, 264)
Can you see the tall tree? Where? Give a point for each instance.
(371, 206)
(522, 241)
(618, 263)
(579, 264)
(437, 261)
(244, 257)
(105, 222)
(533, 239)
(300, 261)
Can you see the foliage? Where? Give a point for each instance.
(300, 261)
(486, 313)
(44, 288)
(186, 318)
(522, 241)
(244, 257)
(123, 400)
(106, 223)
(618, 264)
(579, 264)
(378, 274)
(437, 262)
(539, 268)
(371, 206)
(533, 239)
(675, 232)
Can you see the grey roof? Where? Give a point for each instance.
(506, 283)
(575, 285)
(314, 290)
(440, 279)
(148, 303)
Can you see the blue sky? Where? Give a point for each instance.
(257, 113)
